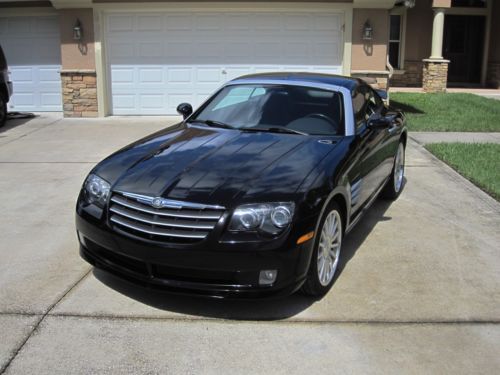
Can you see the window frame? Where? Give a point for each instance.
(401, 12)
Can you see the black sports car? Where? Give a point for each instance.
(250, 195)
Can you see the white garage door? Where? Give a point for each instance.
(32, 48)
(157, 61)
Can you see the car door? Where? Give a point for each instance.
(369, 166)
(385, 144)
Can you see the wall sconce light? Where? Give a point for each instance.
(77, 31)
(367, 31)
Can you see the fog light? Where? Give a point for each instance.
(267, 277)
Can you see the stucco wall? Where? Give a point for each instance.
(372, 54)
(74, 54)
(419, 31)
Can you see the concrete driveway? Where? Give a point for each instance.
(418, 292)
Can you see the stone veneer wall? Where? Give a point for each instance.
(79, 93)
(376, 80)
(493, 77)
(435, 75)
(412, 76)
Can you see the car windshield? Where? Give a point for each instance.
(284, 108)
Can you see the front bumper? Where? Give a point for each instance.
(227, 271)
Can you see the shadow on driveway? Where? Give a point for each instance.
(16, 122)
(266, 309)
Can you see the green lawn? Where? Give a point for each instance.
(478, 162)
(448, 112)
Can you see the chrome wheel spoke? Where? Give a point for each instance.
(329, 247)
(399, 165)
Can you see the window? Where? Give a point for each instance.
(395, 40)
(365, 103)
(359, 103)
(305, 109)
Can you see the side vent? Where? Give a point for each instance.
(355, 190)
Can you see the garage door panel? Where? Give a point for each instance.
(189, 55)
(149, 76)
(122, 75)
(179, 22)
(149, 23)
(124, 102)
(49, 75)
(208, 22)
(151, 49)
(152, 101)
(25, 99)
(21, 75)
(180, 75)
(120, 23)
(32, 49)
(50, 99)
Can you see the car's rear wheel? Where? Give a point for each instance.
(3, 112)
(395, 184)
(326, 253)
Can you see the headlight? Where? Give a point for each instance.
(96, 190)
(271, 218)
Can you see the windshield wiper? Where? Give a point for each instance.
(214, 124)
(274, 130)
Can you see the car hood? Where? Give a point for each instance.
(218, 166)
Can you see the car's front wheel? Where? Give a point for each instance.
(3, 112)
(326, 253)
(395, 184)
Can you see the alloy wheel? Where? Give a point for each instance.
(399, 168)
(329, 247)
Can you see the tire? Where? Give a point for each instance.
(318, 283)
(3, 112)
(395, 183)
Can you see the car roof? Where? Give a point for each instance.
(327, 79)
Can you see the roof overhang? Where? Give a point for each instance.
(380, 4)
(372, 4)
(62, 4)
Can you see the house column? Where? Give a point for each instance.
(437, 34)
(78, 73)
(435, 70)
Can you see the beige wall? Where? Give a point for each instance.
(495, 33)
(419, 31)
(441, 3)
(372, 54)
(76, 55)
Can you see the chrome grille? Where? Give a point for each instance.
(174, 221)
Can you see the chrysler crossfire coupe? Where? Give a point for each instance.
(250, 195)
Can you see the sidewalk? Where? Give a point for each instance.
(463, 137)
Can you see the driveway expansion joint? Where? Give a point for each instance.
(31, 132)
(37, 324)
(275, 321)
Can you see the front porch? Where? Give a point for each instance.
(451, 44)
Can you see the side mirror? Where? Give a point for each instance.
(377, 121)
(185, 109)
(383, 94)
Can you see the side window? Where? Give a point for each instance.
(365, 103)
(375, 104)
(359, 104)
